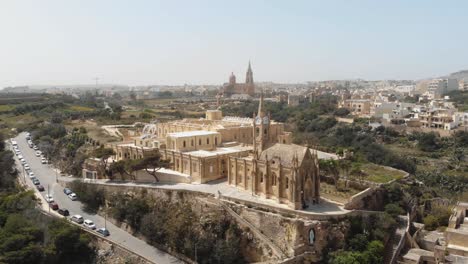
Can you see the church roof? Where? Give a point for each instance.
(285, 152)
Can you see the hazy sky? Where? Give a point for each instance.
(174, 42)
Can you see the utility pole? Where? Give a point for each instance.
(96, 89)
(48, 196)
(105, 215)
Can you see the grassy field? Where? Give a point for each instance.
(94, 131)
(79, 108)
(4, 108)
(329, 191)
(379, 174)
(10, 121)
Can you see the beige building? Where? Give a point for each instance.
(254, 154)
(357, 107)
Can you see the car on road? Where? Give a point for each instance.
(17, 152)
(40, 188)
(77, 219)
(72, 196)
(63, 212)
(36, 181)
(38, 153)
(20, 157)
(43, 161)
(67, 191)
(89, 224)
(31, 174)
(103, 231)
(54, 206)
(49, 198)
(23, 161)
(26, 167)
(35, 147)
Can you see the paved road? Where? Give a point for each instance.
(46, 175)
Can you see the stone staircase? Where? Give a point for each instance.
(279, 253)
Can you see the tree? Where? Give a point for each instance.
(457, 156)
(341, 112)
(428, 142)
(152, 164)
(330, 166)
(104, 154)
(394, 209)
(122, 167)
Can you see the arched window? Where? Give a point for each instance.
(273, 179)
(216, 140)
(287, 183)
(265, 131)
(261, 176)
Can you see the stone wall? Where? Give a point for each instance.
(370, 199)
(287, 230)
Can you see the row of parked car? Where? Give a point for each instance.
(48, 197)
(86, 222)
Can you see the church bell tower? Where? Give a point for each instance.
(261, 128)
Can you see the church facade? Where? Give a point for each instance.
(232, 87)
(287, 173)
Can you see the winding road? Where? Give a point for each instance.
(47, 176)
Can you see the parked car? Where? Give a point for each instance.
(49, 198)
(36, 181)
(20, 157)
(77, 219)
(103, 231)
(72, 196)
(35, 147)
(54, 206)
(40, 188)
(31, 174)
(23, 161)
(43, 161)
(63, 212)
(38, 153)
(26, 167)
(89, 224)
(67, 191)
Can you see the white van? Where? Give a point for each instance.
(77, 219)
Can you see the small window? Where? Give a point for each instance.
(184, 143)
(207, 141)
(287, 184)
(191, 142)
(199, 142)
(216, 140)
(261, 177)
(265, 131)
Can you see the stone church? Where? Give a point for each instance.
(254, 154)
(287, 173)
(247, 88)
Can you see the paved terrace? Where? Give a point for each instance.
(326, 207)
